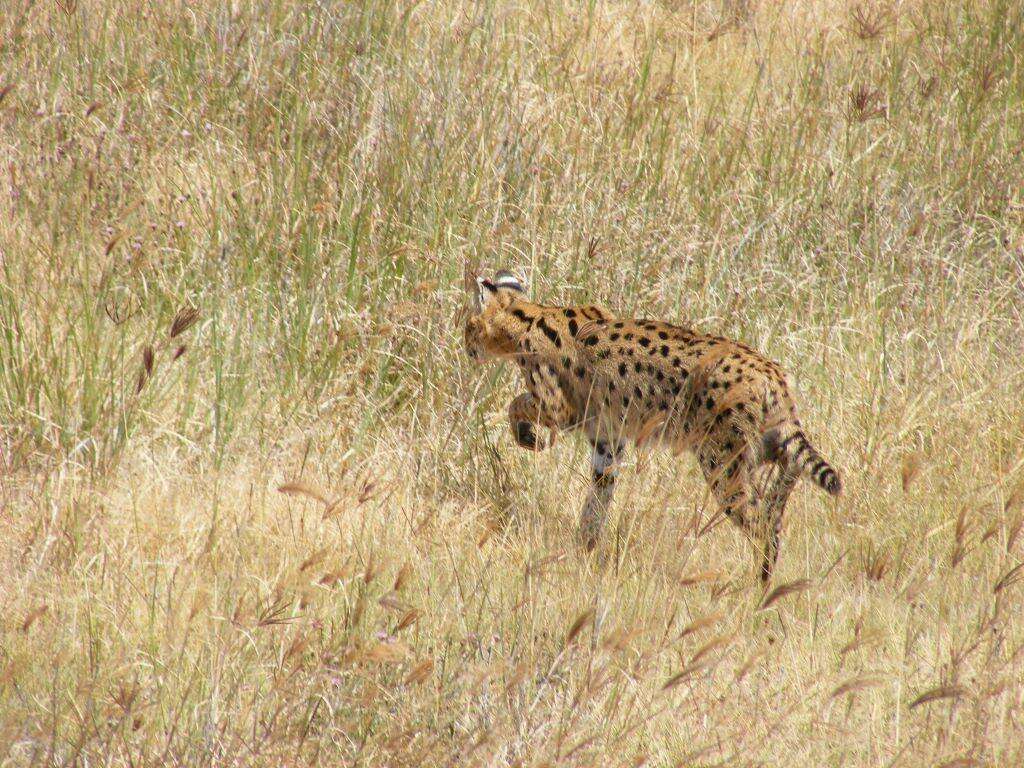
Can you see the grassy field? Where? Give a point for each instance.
(257, 507)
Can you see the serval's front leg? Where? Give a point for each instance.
(545, 404)
(524, 414)
(605, 458)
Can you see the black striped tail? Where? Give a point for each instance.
(794, 450)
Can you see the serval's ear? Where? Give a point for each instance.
(468, 278)
(470, 283)
(486, 292)
(506, 279)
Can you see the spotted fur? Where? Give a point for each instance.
(643, 381)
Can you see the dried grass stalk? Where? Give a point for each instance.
(783, 590)
(386, 653)
(684, 674)
(1013, 576)
(299, 488)
(420, 672)
(33, 616)
(411, 617)
(699, 578)
(577, 626)
(698, 624)
(403, 576)
(855, 684)
(937, 694)
(910, 469)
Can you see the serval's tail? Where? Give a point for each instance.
(791, 448)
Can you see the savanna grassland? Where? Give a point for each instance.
(258, 508)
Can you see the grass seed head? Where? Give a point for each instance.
(183, 320)
(855, 684)
(939, 693)
(783, 590)
(578, 625)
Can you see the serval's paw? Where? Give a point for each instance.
(526, 437)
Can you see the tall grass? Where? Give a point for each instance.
(836, 183)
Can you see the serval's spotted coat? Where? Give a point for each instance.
(622, 381)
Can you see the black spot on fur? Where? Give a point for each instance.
(550, 332)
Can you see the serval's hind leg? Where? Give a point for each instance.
(729, 473)
(774, 505)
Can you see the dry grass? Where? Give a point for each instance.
(258, 509)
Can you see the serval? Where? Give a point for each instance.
(643, 381)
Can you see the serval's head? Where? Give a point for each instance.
(492, 326)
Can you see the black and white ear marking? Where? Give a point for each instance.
(505, 279)
(486, 290)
